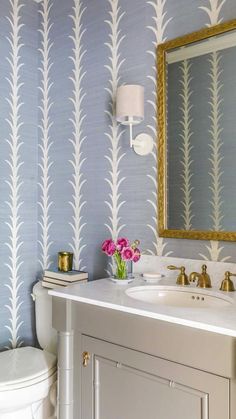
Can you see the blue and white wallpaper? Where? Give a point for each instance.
(68, 179)
(18, 169)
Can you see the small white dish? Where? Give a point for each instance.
(121, 281)
(152, 276)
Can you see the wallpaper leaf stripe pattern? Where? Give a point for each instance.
(213, 11)
(114, 201)
(215, 141)
(214, 250)
(160, 23)
(77, 182)
(45, 162)
(14, 182)
(186, 146)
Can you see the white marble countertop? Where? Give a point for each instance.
(104, 293)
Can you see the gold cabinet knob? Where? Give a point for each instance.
(86, 358)
(227, 284)
(182, 278)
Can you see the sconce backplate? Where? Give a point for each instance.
(143, 144)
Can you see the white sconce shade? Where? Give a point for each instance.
(130, 111)
(130, 104)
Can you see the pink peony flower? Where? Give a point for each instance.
(127, 253)
(109, 247)
(137, 255)
(121, 243)
(122, 250)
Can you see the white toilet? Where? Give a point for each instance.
(28, 375)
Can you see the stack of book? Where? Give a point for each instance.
(54, 278)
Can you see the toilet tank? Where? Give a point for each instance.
(47, 336)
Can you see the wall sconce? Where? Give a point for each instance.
(130, 111)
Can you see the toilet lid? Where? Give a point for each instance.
(24, 364)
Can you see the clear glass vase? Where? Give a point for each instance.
(121, 270)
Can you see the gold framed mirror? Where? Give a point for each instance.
(196, 104)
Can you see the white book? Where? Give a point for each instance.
(69, 276)
(50, 285)
(61, 282)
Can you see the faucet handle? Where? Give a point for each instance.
(182, 278)
(172, 267)
(176, 268)
(227, 284)
(204, 280)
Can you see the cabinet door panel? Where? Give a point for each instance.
(126, 393)
(120, 383)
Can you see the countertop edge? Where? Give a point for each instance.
(148, 314)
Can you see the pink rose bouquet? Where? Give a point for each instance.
(122, 251)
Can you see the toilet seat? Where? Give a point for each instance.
(23, 367)
(26, 377)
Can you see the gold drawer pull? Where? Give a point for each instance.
(86, 358)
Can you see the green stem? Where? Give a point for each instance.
(121, 271)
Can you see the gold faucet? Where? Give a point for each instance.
(182, 278)
(203, 279)
(227, 284)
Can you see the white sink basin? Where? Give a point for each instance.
(179, 297)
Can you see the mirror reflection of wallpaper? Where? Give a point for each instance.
(202, 142)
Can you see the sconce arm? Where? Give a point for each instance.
(131, 135)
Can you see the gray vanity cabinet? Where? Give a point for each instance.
(121, 383)
(139, 367)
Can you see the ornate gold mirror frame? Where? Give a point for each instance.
(162, 49)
